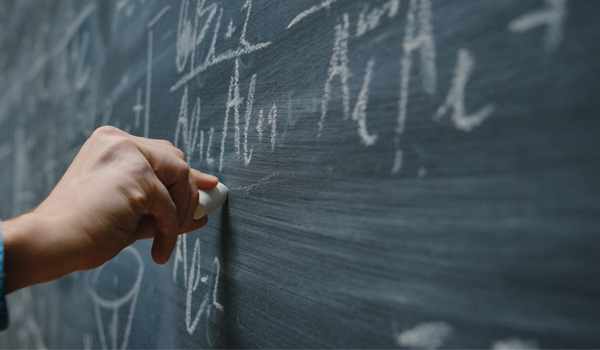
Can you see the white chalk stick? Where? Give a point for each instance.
(210, 200)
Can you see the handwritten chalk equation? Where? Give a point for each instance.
(189, 37)
(418, 52)
(192, 277)
(419, 38)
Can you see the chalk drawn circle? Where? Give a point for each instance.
(116, 303)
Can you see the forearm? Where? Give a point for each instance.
(120, 188)
(34, 252)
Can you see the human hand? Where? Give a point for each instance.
(119, 188)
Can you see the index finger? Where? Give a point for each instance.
(204, 181)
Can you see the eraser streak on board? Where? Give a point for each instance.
(210, 200)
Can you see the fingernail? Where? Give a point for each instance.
(211, 177)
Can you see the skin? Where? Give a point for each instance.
(119, 189)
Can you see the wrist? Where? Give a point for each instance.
(33, 252)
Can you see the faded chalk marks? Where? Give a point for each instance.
(31, 327)
(418, 36)
(137, 108)
(515, 344)
(158, 16)
(552, 17)
(338, 66)
(5, 151)
(73, 28)
(148, 84)
(369, 20)
(267, 180)
(360, 109)
(247, 117)
(272, 120)
(23, 195)
(108, 330)
(324, 5)
(259, 124)
(456, 96)
(209, 159)
(428, 335)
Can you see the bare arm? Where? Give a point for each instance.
(120, 188)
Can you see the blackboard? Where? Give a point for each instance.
(403, 173)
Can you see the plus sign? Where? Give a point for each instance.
(138, 108)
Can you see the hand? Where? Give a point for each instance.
(119, 188)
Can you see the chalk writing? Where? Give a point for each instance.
(248, 114)
(267, 180)
(234, 101)
(360, 109)
(192, 285)
(456, 96)
(192, 280)
(324, 5)
(148, 84)
(553, 17)
(23, 306)
(209, 159)
(78, 50)
(428, 335)
(259, 124)
(371, 20)
(109, 337)
(230, 30)
(158, 16)
(23, 194)
(5, 151)
(88, 341)
(60, 47)
(188, 40)
(137, 108)
(418, 35)
(515, 344)
(187, 127)
(272, 120)
(338, 66)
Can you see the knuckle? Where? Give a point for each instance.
(105, 130)
(166, 143)
(183, 170)
(140, 170)
(180, 154)
(117, 145)
(110, 141)
(139, 200)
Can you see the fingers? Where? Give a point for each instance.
(162, 144)
(204, 181)
(164, 210)
(146, 228)
(162, 247)
(175, 188)
(186, 224)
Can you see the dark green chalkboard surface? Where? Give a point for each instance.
(402, 173)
